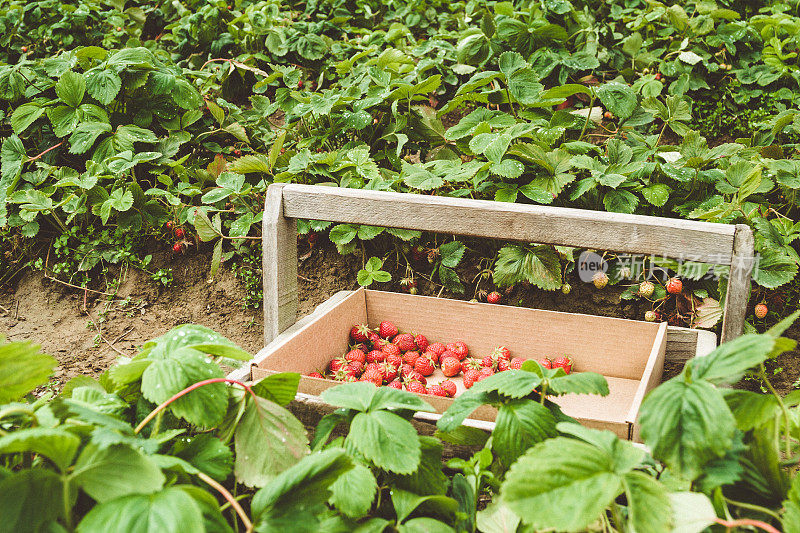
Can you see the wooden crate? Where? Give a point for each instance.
(629, 353)
(722, 244)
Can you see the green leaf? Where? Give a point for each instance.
(70, 88)
(56, 444)
(85, 135)
(177, 370)
(519, 425)
(389, 398)
(405, 503)
(30, 500)
(22, 368)
(357, 396)
(538, 265)
(578, 383)
(463, 406)
(656, 194)
(618, 98)
(171, 510)
(185, 95)
(24, 116)
(450, 280)
(418, 177)
(202, 224)
(497, 518)
(751, 409)
(208, 454)
(280, 388)
(774, 269)
(249, 164)
(428, 478)
(686, 425)
(115, 471)
(268, 440)
(648, 506)
(542, 486)
(512, 383)
(387, 440)
(64, 119)
(791, 518)
(103, 84)
(451, 253)
(302, 490)
(354, 491)
(692, 512)
(728, 362)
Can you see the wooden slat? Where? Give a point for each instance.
(738, 293)
(280, 265)
(637, 234)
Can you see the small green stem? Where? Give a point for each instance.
(786, 418)
(67, 506)
(586, 122)
(543, 394)
(753, 507)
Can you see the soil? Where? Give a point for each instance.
(66, 321)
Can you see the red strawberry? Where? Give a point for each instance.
(488, 362)
(373, 336)
(503, 365)
(451, 366)
(421, 342)
(761, 310)
(410, 357)
(563, 362)
(416, 387)
(424, 366)
(459, 347)
(502, 353)
(471, 363)
(380, 344)
(545, 362)
(449, 387)
(354, 368)
(389, 371)
(493, 297)
(436, 390)
(376, 356)
(405, 341)
(177, 248)
(337, 364)
(360, 333)
(396, 384)
(416, 376)
(315, 375)
(485, 373)
(470, 377)
(406, 370)
(516, 363)
(674, 286)
(386, 329)
(374, 376)
(447, 353)
(360, 346)
(179, 233)
(356, 355)
(390, 349)
(394, 360)
(436, 347)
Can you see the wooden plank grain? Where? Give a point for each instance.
(279, 265)
(637, 234)
(738, 293)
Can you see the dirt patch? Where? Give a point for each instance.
(54, 316)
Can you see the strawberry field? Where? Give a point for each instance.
(142, 136)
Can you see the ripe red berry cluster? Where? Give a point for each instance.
(406, 361)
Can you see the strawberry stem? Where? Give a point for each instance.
(186, 391)
(228, 496)
(746, 522)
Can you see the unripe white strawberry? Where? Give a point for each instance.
(646, 289)
(600, 280)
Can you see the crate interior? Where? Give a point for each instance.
(616, 348)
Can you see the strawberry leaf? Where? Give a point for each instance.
(463, 406)
(291, 500)
(268, 440)
(538, 265)
(386, 440)
(31, 499)
(22, 369)
(116, 471)
(171, 510)
(353, 492)
(519, 425)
